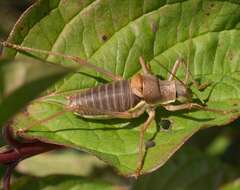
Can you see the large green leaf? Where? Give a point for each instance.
(113, 34)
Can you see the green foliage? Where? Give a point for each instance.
(235, 185)
(112, 35)
(61, 183)
(188, 169)
(53, 163)
(22, 81)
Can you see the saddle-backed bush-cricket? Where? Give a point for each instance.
(127, 99)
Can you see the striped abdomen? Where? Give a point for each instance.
(111, 97)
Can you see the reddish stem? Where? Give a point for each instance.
(26, 150)
(18, 151)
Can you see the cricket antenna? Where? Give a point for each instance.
(75, 59)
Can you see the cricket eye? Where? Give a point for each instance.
(137, 85)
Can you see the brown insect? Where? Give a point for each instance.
(128, 98)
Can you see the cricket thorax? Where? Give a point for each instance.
(158, 91)
(153, 90)
(112, 97)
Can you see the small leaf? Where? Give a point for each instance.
(112, 35)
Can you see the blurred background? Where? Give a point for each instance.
(10, 10)
(217, 146)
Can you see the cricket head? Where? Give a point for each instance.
(183, 93)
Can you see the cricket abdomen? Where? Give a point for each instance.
(112, 97)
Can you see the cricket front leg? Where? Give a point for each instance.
(189, 106)
(175, 68)
(151, 117)
(146, 68)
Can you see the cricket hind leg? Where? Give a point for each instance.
(151, 116)
(123, 115)
(75, 59)
(9, 136)
(38, 122)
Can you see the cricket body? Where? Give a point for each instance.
(131, 98)
(127, 99)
